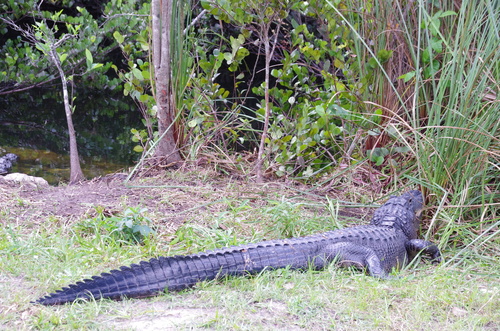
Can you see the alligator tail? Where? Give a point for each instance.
(149, 278)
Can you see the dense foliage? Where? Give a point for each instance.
(408, 90)
(90, 46)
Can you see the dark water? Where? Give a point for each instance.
(33, 126)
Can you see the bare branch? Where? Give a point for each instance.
(27, 33)
(196, 19)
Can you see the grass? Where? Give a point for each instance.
(447, 114)
(41, 257)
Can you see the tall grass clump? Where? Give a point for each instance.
(458, 148)
(440, 95)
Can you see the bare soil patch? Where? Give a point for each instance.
(171, 197)
(160, 316)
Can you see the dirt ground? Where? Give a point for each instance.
(166, 197)
(172, 196)
(77, 200)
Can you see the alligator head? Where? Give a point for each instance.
(395, 213)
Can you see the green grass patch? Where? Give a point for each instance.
(34, 262)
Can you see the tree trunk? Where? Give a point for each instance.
(267, 102)
(76, 173)
(162, 17)
(267, 107)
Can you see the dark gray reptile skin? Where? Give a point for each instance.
(388, 242)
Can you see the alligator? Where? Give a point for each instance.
(388, 242)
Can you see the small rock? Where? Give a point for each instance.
(6, 162)
(23, 178)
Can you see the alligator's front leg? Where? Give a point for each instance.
(415, 246)
(350, 254)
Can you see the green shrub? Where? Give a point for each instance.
(131, 227)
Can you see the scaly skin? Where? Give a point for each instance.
(388, 242)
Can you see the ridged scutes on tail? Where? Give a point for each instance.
(176, 273)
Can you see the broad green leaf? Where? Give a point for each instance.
(431, 69)
(408, 76)
(137, 74)
(378, 160)
(90, 60)
(242, 53)
(426, 56)
(88, 55)
(320, 110)
(119, 38)
(437, 45)
(372, 62)
(447, 13)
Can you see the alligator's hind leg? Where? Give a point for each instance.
(350, 254)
